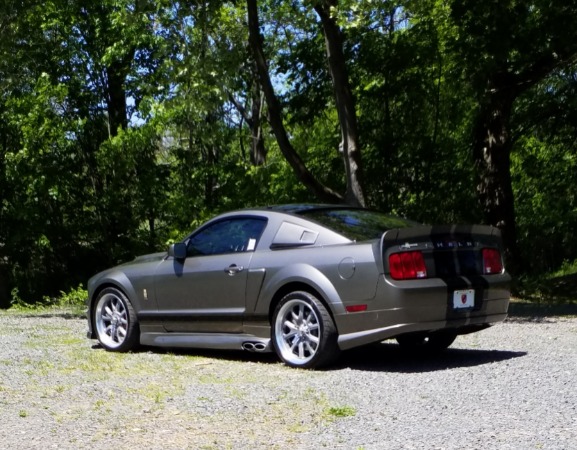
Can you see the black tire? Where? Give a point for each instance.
(427, 343)
(303, 332)
(115, 321)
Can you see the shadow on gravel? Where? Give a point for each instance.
(389, 357)
(221, 355)
(382, 357)
(57, 314)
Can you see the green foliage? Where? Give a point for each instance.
(567, 268)
(546, 202)
(72, 300)
(415, 114)
(124, 125)
(17, 302)
(544, 166)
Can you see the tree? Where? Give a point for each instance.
(322, 192)
(59, 115)
(162, 113)
(344, 101)
(543, 170)
(507, 47)
(414, 113)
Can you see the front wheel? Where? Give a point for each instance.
(304, 334)
(115, 321)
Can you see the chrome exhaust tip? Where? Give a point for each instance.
(254, 346)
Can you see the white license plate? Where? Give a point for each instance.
(464, 299)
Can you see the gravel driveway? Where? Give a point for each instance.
(512, 386)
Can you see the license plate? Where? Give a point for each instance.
(464, 299)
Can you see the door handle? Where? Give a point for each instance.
(233, 269)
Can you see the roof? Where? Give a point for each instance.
(296, 208)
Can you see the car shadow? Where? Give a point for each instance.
(224, 355)
(66, 315)
(390, 357)
(381, 357)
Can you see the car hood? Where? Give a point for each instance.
(145, 259)
(125, 268)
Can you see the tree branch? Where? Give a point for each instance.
(345, 102)
(321, 191)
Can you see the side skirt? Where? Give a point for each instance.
(215, 341)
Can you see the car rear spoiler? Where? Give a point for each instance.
(405, 234)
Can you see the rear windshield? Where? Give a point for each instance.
(356, 224)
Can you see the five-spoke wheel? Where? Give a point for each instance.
(115, 321)
(304, 334)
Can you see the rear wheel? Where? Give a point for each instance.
(115, 321)
(423, 342)
(304, 334)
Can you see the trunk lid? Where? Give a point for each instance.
(444, 251)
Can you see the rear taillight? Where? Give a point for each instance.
(492, 262)
(407, 266)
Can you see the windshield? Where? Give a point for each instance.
(356, 224)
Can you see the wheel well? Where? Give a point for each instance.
(97, 292)
(292, 287)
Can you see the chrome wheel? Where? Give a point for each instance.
(304, 334)
(298, 331)
(115, 321)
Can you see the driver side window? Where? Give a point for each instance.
(227, 236)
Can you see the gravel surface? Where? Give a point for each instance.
(512, 386)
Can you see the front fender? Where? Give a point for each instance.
(116, 279)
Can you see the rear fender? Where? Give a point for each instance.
(303, 274)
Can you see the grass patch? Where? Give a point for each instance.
(213, 378)
(536, 308)
(552, 294)
(338, 412)
(67, 380)
(547, 295)
(157, 393)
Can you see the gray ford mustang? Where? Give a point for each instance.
(304, 281)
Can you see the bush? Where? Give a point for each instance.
(75, 298)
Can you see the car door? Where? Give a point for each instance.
(205, 292)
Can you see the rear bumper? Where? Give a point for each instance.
(424, 305)
(462, 326)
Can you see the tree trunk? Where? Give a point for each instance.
(257, 148)
(345, 102)
(323, 193)
(492, 146)
(116, 74)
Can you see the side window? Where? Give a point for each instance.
(227, 236)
